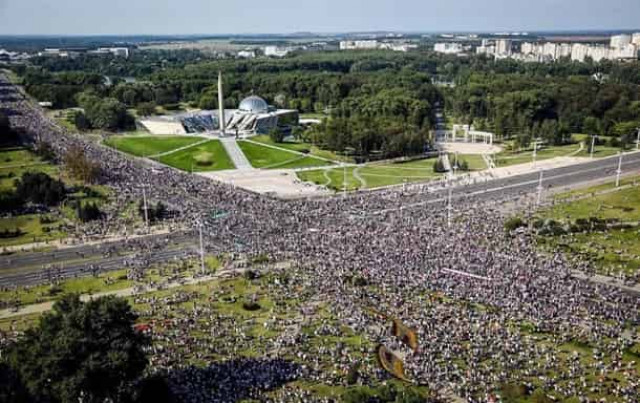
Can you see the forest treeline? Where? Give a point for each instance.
(379, 102)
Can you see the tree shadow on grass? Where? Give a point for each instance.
(231, 381)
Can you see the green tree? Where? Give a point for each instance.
(276, 135)
(208, 101)
(87, 351)
(79, 165)
(146, 108)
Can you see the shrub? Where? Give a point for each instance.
(514, 223)
(251, 306)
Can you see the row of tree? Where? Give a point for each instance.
(523, 107)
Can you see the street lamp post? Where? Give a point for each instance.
(619, 171)
(540, 189)
(593, 145)
(449, 207)
(146, 209)
(344, 181)
(201, 249)
(638, 140)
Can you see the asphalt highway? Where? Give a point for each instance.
(27, 269)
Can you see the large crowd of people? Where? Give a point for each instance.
(487, 307)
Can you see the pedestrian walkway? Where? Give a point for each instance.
(235, 153)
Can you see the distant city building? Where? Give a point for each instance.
(621, 47)
(619, 41)
(451, 48)
(367, 44)
(278, 51)
(247, 54)
(398, 46)
(504, 47)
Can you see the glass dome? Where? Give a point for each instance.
(254, 104)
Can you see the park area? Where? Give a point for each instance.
(47, 222)
(255, 313)
(600, 223)
(310, 164)
(580, 148)
(187, 153)
(385, 173)
(275, 156)
(251, 316)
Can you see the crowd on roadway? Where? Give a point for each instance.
(487, 307)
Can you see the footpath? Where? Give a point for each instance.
(235, 153)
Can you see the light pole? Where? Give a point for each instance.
(449, 207)
(344, 181)
(201, 249)
(455, 165)
(593, 145)
(619, 171)
(146, 209)
(535, 151)
(540, 188)
(638, 140)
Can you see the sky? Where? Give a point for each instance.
(124, 17)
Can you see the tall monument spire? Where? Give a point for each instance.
(221, 104)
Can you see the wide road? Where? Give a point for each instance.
(26, 269)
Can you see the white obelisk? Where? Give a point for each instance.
(221, 105)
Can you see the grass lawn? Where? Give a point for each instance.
(17, 156)
(336, 178)
(630, 180)
(623, 205)
(145, 146)
(613, 250)
(209, 156)
(114, 280)
(266, 157)
(302, 162)
(33, 230)
(507, 158)
(374, 175)
(299, 146)
(475, 161)
(15, 161)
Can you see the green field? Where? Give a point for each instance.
(33, 230)
(16, 161)
(270, 158)
(209, 156)
(507, 158)
(147, 146)
(373, 175)
(301, 147)
(614, 250)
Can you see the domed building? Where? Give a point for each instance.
(254, 115)
(253, 104)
